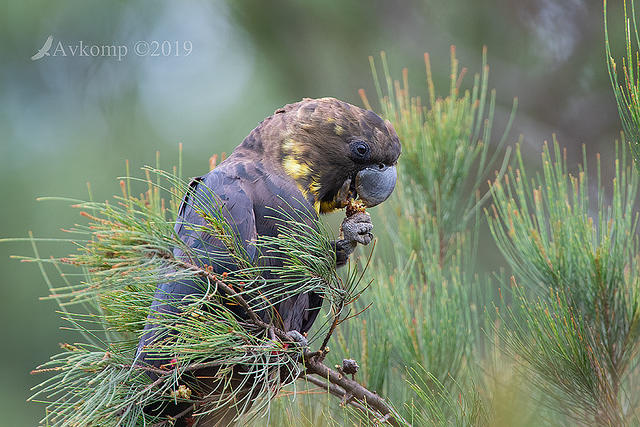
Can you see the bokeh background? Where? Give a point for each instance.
(66, 121)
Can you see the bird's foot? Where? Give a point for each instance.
(299, 339)
(357, 229)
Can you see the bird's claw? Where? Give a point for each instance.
(357, 228)
(298, 338)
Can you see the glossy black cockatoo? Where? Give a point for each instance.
(312, 155)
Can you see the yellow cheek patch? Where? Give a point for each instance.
(292, 147)
(338, 130)
(314, 188)
(326, 207)
(303, 190)
(295, 169)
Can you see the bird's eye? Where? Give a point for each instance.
(360, 150)
(381, 166)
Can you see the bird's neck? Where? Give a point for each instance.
(290, 152)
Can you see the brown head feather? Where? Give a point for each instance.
(309, 141)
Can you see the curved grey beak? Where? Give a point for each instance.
(374, 184)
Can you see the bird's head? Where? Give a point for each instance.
(332, 149)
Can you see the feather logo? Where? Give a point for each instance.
(44, 50)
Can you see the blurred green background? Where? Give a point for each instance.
(66, 121)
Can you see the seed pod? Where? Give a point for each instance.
(349, 366)
(355, 206)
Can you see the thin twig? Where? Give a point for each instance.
(334, 324)
(164, 372)
(357, 390)
(253, 317)
(179, 415)
(333, 389)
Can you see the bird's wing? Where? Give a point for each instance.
(219, 193)
(219, 196)
(276, 202)
(47, 44)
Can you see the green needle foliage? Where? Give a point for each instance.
(124, 250)
(425, 287)
(440, 409)
(578, 336)
(625, 79)
(446, 150)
